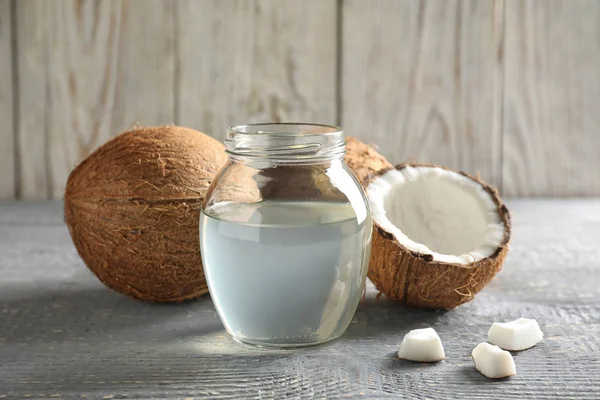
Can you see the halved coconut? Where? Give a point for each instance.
(440, 235)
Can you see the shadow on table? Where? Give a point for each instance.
(393, 362)
(382, 316)
(82, 339)
(470, 374)
(63, 313)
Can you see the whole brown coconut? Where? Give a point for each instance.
(364, 160)
(133, 207)
(439, 237)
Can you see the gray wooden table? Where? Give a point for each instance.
(64, 335)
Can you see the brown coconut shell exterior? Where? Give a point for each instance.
(418, 281)
(133, 207)
(364, 160)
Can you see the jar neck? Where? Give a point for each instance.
(285, 143)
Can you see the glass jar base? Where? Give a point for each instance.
(281, 343)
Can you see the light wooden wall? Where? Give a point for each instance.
(506, 88)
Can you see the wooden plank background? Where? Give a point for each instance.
(422, 79)
(552, 98)
(7, 151)
(254, 61)
(506, 88)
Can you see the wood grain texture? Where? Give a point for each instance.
(7, 161)
(423, 80)
(255, 61)
(62, 334)
(87, 70)
(552, 98)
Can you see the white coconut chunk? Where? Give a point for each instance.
(422, 345)
(493, 362)
(438, 212)
(519, 334)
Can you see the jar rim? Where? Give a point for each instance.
(287, 142)
(254, 129)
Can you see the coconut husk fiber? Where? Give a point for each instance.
(133, 207)
(364, 160)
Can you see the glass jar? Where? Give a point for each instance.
(285, 235)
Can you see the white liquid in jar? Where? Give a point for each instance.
(285, 273)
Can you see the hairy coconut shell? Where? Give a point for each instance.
(133, 208)
(419, 281)
(364, 160)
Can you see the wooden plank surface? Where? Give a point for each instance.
(7, 161)
(87, 70)
(63, 334)
(552, 98)
(255, 61)
(423, 80)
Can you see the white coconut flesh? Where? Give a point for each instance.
(437, 212)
